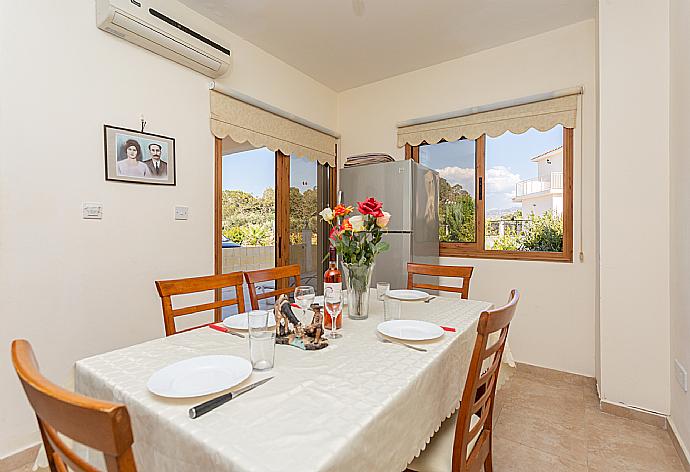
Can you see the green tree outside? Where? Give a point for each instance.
(456, 213)
(250, 220)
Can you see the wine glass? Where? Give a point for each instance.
(333, 302)
(304, 297)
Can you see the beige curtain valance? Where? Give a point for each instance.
(243, 122)
(542, 115)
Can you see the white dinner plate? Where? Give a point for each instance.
(240, 321)
(198, 376)
(408, 295)
(410, 330)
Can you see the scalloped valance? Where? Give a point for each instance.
(243, 122)
(542, 115)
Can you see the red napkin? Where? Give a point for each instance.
(448, 328)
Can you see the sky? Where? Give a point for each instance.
(507, 162)
(254, 171)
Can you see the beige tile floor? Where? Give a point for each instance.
(552, 423)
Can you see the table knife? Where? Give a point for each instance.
(203, 408)
(223, 329)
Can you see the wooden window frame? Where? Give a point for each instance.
(476, 250)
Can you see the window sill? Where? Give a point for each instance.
(453, 250)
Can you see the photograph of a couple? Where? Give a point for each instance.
(133, 156)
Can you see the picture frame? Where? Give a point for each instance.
(138, 157)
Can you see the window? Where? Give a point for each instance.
(508, 197)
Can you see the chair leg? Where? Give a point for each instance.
(488, 466)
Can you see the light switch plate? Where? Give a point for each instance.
(92, 211)
(681, 375)
(181, 213)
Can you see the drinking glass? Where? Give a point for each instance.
(333, 302)
(262, 340)
(391, 308)
(382, 289)
(304, 297)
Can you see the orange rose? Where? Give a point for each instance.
(342, 210)
(346, 226)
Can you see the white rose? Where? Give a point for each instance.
(327, 214)
(382, 221)
(357, 223)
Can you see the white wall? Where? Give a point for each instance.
(634, 182)
(73, 287)
(680, 209)
(543, 203)
(555, 323)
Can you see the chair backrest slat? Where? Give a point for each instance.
(278, 274)
(100, 425)
(170, 288)
(462, 272)
(480, 389)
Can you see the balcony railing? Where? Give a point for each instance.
(539, 184)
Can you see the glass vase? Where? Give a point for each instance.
(357, 282)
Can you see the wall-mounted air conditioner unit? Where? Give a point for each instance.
(167, 28)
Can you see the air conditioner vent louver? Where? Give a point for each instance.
(163, 34)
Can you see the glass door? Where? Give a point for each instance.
(269, 204)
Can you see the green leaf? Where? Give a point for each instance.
(381, 246)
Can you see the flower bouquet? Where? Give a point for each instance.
(357, 239)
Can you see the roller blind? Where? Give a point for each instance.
(243, 122)
(542, 115)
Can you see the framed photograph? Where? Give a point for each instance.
(142, 158)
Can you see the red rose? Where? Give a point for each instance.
(335, 232)
(370, 206)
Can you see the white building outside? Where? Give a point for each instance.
(544, 192)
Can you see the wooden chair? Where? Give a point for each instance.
(463, 272)
(168, 288)
(464, 442)
(278, 274)
(100, 425)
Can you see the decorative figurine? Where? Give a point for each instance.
(289, 329)
(315, 329)
(284, 316)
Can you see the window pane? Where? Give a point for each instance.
(304, 219)
(524, 191)
(455, 163)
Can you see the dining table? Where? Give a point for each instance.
(359, 404)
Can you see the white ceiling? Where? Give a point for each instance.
(347, 43)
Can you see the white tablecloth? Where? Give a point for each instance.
(357, 405)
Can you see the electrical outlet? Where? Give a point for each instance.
(681, 375)
(181, 213)
(92, 211)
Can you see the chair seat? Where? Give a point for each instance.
(438, 455)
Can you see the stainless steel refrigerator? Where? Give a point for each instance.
(409, 192)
